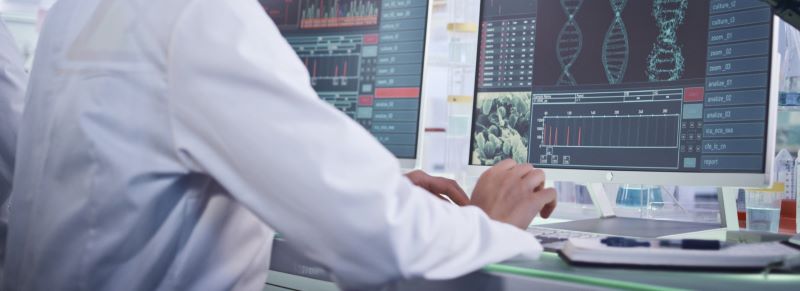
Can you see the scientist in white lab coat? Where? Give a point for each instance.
(13, 81)
(163, 141)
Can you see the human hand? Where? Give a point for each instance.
(439, 186)
(514, 193)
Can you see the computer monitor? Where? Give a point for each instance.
(366, 58)
(661, 92)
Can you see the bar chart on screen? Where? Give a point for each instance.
(339, 13)
(333, 72)
(333, 62)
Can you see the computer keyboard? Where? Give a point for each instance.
(554, 239)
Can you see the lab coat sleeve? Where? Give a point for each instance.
(244, 113)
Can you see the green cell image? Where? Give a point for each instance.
(502, 128)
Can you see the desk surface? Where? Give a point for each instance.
(551, 266)
(551, 271)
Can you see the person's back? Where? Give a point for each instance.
(162, 137)
(95, 165)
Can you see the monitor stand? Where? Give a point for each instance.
(610, 224)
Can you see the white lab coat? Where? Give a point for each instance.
(13, 80)
(163, 140)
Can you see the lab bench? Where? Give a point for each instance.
(290, 271)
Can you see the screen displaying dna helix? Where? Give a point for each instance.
(650, 85)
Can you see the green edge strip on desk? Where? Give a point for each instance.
(598, 282)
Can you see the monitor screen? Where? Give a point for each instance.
(365, 57)
(645, 85)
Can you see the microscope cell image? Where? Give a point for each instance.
(502, 128)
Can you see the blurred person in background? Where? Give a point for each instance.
(13, 82)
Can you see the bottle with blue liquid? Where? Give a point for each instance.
(636, 196)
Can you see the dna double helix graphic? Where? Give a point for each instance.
(666, 62)
(570, 41)
(615, 45)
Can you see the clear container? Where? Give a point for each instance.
(639, 196)
(764, 208)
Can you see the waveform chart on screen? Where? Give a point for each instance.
(338, 13)
(334, 62)
(333, 73)
(638, 128)
(337, 67)
(285, 13)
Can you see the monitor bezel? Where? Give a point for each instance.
(586, 176)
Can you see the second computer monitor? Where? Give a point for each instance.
(650, 91)
(366, 58)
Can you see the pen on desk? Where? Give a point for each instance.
(692, 244)
(687, 244)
